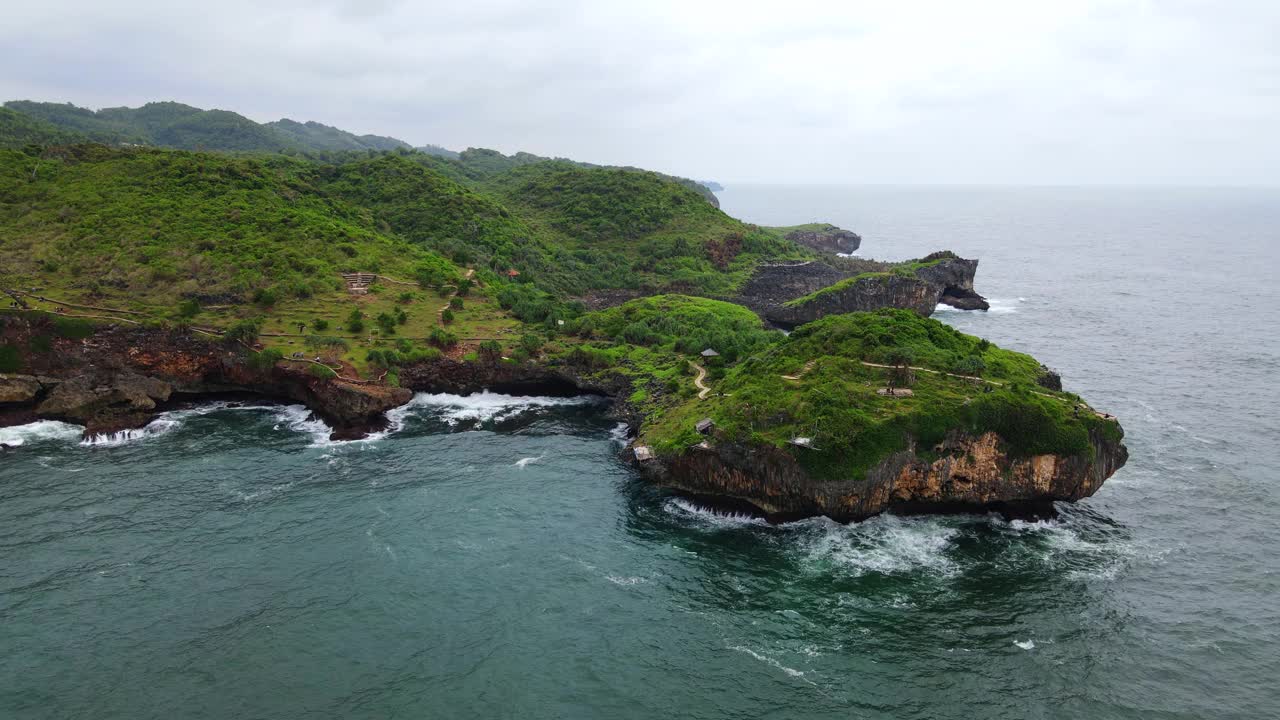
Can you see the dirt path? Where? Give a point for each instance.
(452, 295)
(1099, 413)
(803, 371)
(697, 381)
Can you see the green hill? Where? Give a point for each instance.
(315, 136)
(18, 130)
(154, 226)
(175, 125)
(643, 229)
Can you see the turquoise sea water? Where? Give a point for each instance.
(491, 557)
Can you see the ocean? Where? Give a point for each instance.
(490, 557)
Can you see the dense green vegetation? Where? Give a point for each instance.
(814, 384)
(157, 226)
(18, 130)
(315, 136)
(680, 324)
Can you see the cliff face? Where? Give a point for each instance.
(828, 240)
(862, 295)
(772, 285)
(955, 277)
(119, 378)
(949, 280)
(971, 473)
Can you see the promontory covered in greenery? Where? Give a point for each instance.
(166, 254)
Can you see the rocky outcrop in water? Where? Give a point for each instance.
(792, 294)
(827, 239)
(863, 294)
(968, 474)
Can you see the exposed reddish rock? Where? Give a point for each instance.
(972, 473)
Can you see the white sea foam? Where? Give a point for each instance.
(524, 462)
(167, 422)
(768, 661)
(481, 407)
(1000, 306)
(39, 431)
(620, 433)
(162, 425)
(624, 581)
(708, 518)
(1025, 644)
(883, 544)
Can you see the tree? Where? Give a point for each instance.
(490, 351)
(900, 375)
(355, 321)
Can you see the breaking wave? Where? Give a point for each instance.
(708, 518)
(885, 544)
(481, 407)
(38, 432)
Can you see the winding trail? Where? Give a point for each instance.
(452, 295)
(697, 381)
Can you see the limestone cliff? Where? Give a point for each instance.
(969, 473)
(118, 378)
(863, 294)
(826, 239)
(792, 294)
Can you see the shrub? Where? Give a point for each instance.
(491, 351)
(355, 321)
(442, 338)
(188, 309)
(265, 360)
(406, 297)
(464, 287)
(383, 358)
(455, 303)
(325, 341)
(323, 372)
(320, 324)
(387, 322)
(531, 343)
(401, 316)
(266, 297)
(971, 365)
(446, 317)
(245, 331)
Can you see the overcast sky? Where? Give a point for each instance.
(890, 91)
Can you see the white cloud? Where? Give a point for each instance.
(1092, 91)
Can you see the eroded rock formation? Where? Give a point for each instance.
(773, 290)
(828, 239)
(970, 473)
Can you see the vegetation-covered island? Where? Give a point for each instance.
(164, 254)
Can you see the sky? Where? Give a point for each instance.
(892, 91)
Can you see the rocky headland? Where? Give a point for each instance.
(791, 294)
(826, 239)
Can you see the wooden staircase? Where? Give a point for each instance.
(358, 283)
